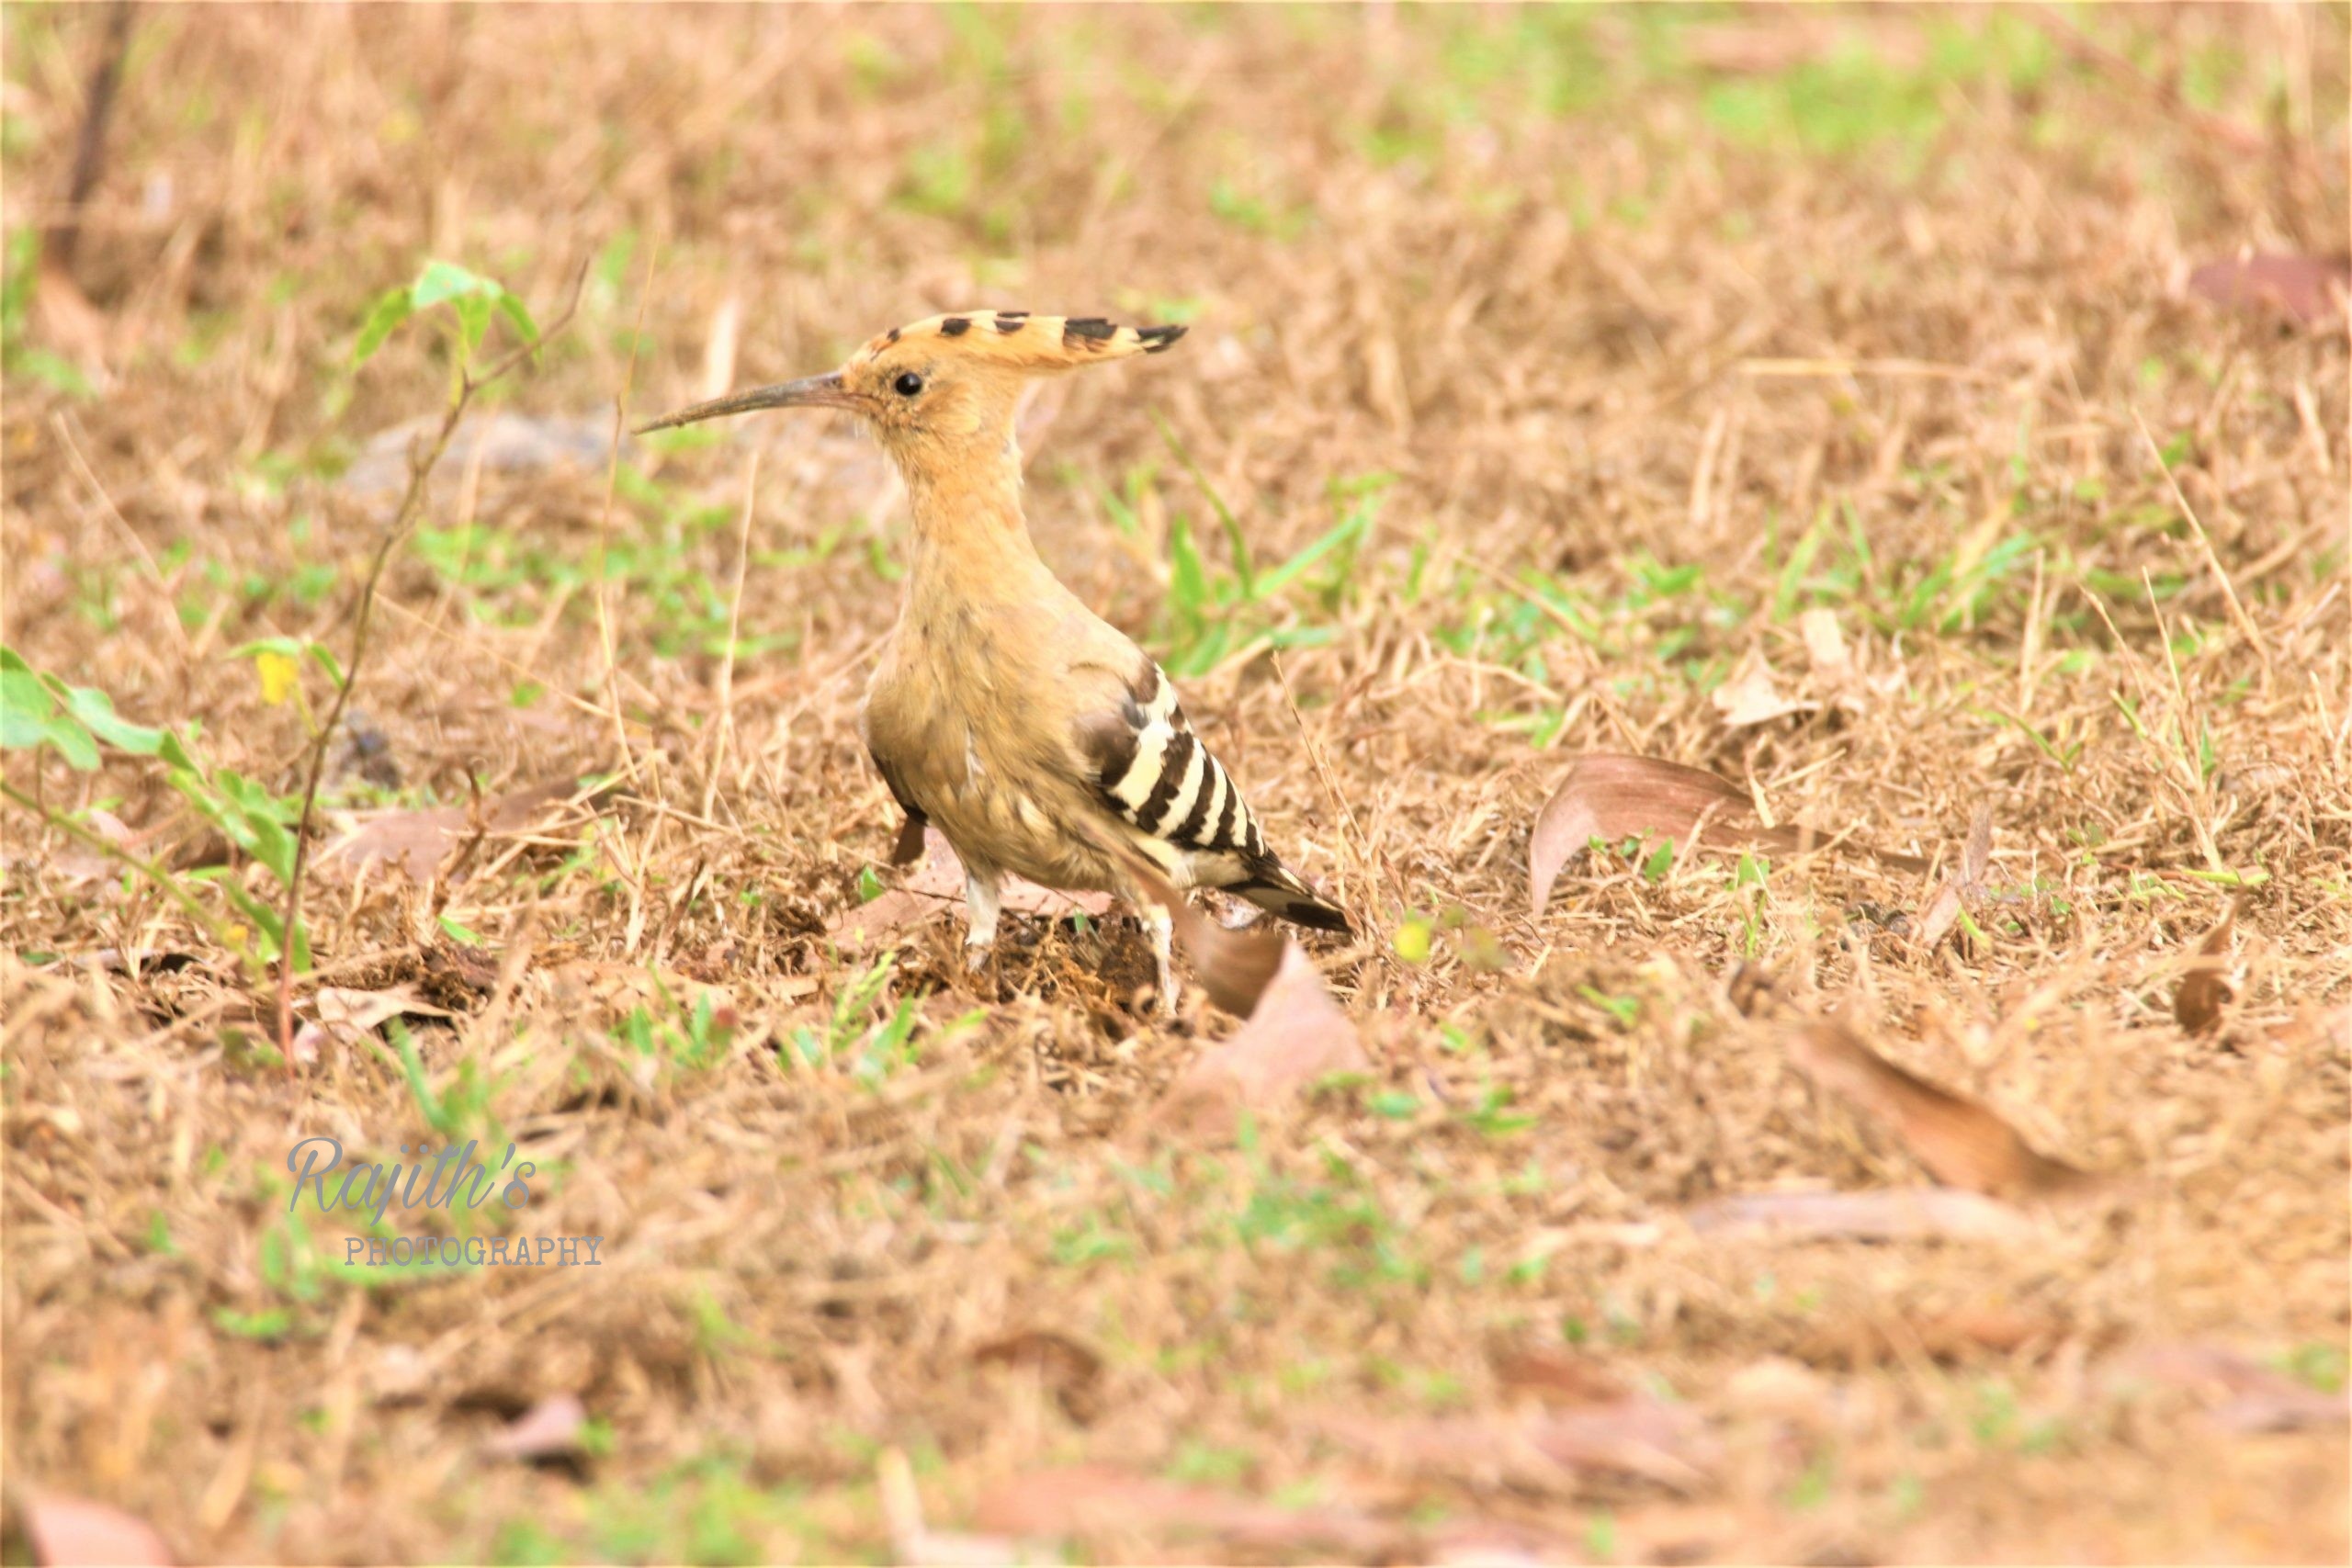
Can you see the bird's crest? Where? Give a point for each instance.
(1020, 341)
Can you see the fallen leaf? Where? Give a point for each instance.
(1751, 697)
(1610, 797)
(1236, 965)
(351, 1012)
(1096, 1500)
(1961, 1143)
(2239, 1393)
(1903, 1214)
(1638, 1437)
(1965, 882)
(1976, 854)
(936, 885)
(419, 843)
(2305, 289)
(1824, 644)
(2205, 988)
(1556, 1376)
(342, 1014)
(69, 1530)
(1294, 1034)
(549, 1429)
(1866, 1340)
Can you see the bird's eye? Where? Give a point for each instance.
(908, 384)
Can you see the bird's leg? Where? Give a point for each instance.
(1160, 929)
(981, 902)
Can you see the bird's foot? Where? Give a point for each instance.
(1158, 927)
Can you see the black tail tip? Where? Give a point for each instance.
(1156, 340)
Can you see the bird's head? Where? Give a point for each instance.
(944, 382)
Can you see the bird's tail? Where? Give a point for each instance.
(1278, 890)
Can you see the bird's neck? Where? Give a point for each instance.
(971, 540)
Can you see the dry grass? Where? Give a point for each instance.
(1695, 321)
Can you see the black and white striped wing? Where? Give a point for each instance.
(1158, 777)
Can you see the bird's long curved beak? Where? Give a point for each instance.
(826, 391)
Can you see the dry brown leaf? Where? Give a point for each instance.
(1751, 697)
(2305, 289)
(351, 1011)
(2205, 989)
(1095, 1500)
(549, 1429)
(1903, 1214)
(1641, 1437)
(1963, 1334)
(1824, 644)
(1294, 1035)
(69, 1530)
(1966, 880)
(342, 1014)
(1941, 914)
(1610, 797)
(1976, 854)
(936, 885)
(420, 843)
(1961, 1143)
(2240, 1393)
(1556, 1376)
(1235, 964)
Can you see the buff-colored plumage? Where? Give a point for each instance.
(1030, 731)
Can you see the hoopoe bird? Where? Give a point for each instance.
(1037, 738)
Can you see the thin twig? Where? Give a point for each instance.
(422, 457)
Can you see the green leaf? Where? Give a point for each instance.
(1242, 568)
(1274, 581)
(1189, 581)
(25, 706)
(96, 710)
(20, 731)
(518, 315)
(473, 320)
(73, 743)
(327, 661)
(11, 659)
(395, 307)
(442, 280)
